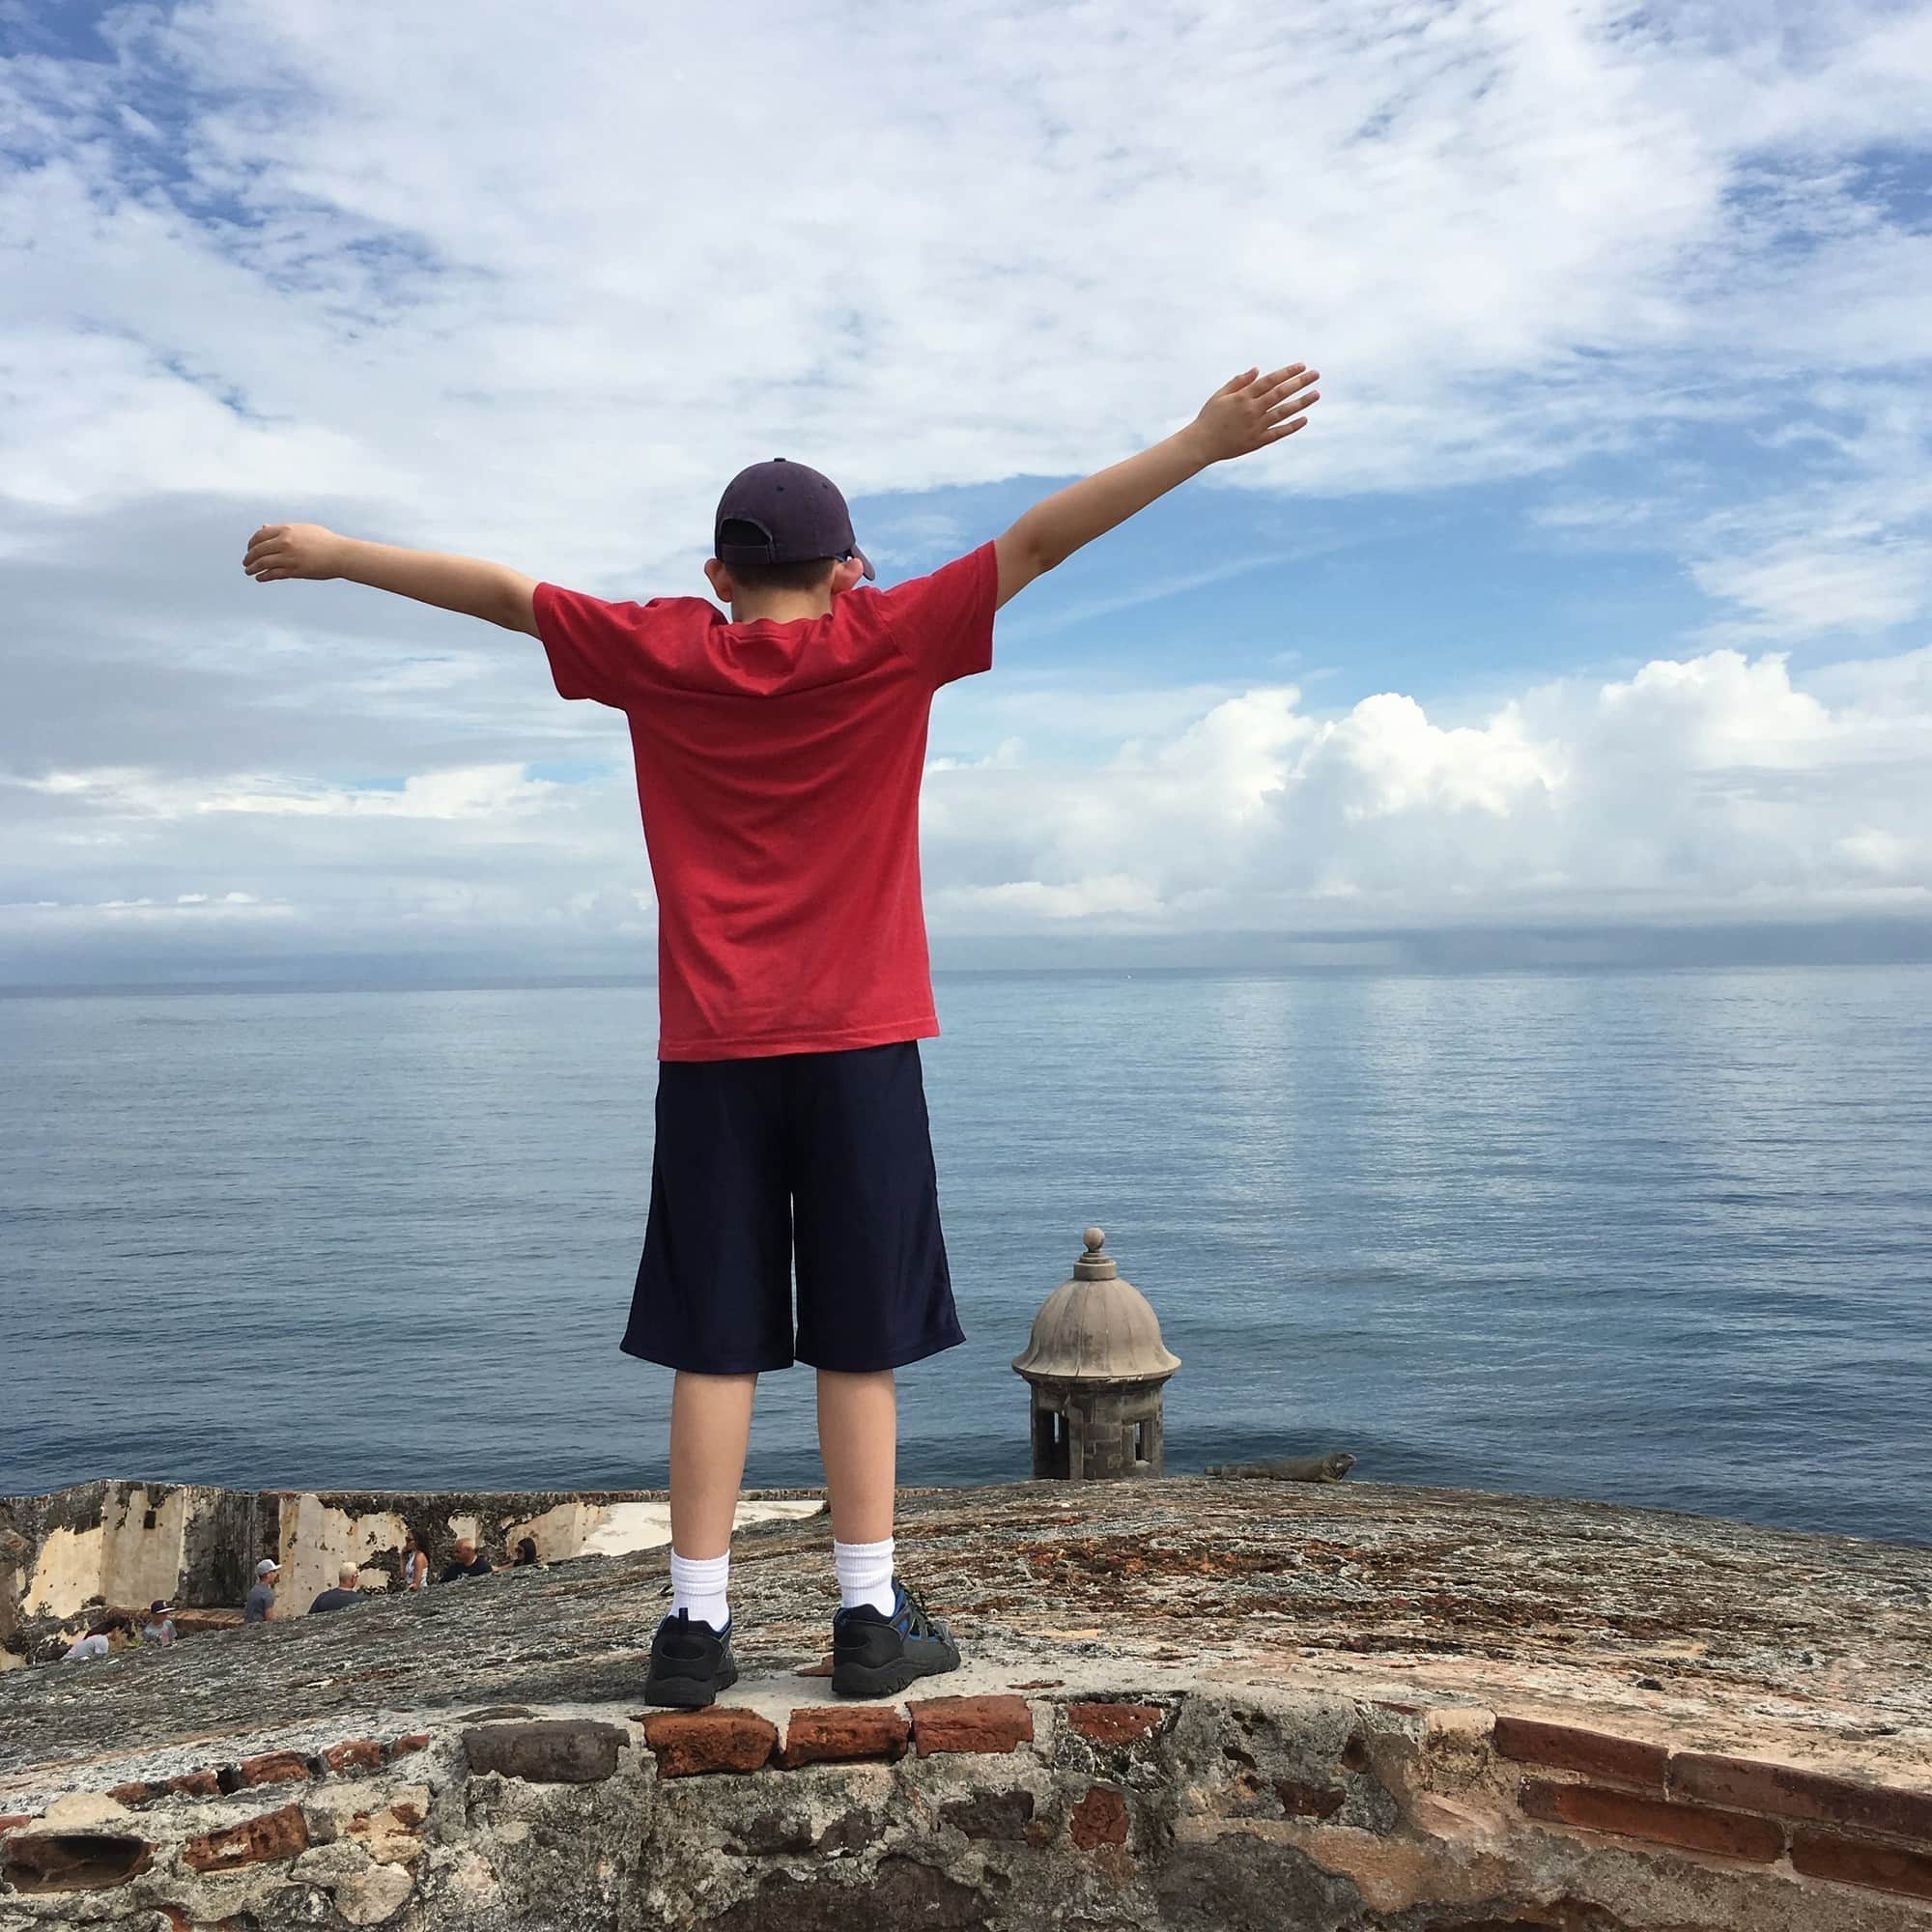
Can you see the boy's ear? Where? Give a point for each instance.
(847, 575)
(719, 580)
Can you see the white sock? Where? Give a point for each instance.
(697, 1586)
(865, 1571)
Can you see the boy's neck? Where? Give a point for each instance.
(781, 607)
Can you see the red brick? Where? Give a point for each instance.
(689, 1742)
(278, 1767)
(1623, 1815)
(825, 1734)
(1857, 1861)
(969, 1724)
(273, 1834)
(11, 1821)
(1100, 1818)
(136, 1793)
(1783, 1791)
(1114, 1724)
(353, 1754)
(196, 1784)
(416, 1740)
(1595, 1754)
(42, 1861)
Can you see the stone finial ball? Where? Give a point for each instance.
(1096, 1241)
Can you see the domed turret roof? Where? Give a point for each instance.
(1095, 1328)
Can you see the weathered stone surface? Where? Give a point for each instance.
(824, 1735)
(687, 1744)
(546, 1751)
(990, 1814)
(392, 1834)
(902, 1894)
(1360, 1650)
(969, 1724)
(374, 1896)
(270, 1835)
(1233, 1882)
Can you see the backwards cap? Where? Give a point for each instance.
(799, 514)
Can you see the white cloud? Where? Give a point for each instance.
(540, 284)
(537, 287)
(1708, 787)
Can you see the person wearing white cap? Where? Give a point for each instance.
(261, 1604)
(160, 1625)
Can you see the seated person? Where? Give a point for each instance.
(464, 1562)
(343, 1595)
(98, 1642)
(160, 1625)
(525, 1555)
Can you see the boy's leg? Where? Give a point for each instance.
(710, 1430)
(710, 1427)
(857, 1439)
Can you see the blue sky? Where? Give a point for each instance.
(1596, 594)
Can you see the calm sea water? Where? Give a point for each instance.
(1657, 1238)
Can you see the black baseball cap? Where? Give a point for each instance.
(799, 512)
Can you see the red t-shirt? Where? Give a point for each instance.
(777, 771)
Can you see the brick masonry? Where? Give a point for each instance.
(1624, 1814)
(1836, 1833)
(1611, 1760)
(1098, 1818)
(1858, 1862)
(826, 1734)
(1114, 1725)
(271, 1835)
(1807, 1797)
(997, 1724)
(689, 1744)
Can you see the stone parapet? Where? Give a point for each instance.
(1126, 1748)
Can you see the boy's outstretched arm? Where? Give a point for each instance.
(466, 583)
(1245, 414)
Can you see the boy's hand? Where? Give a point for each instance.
(1253, 411)
(293, 550)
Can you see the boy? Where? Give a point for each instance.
(779, 756)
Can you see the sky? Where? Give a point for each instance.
(1594, 599)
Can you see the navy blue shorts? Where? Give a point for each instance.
(822, 1157)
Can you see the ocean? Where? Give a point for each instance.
(1656, 1238)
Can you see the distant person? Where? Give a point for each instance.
(463, 1561)
(160, 1626)
(526, 1555)
(343, 1595)
(261, 1604)
(779, 754)
(98, 1642)
(416, 1562)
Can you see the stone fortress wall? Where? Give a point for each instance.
(121, 1545)
(1186, 1706)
